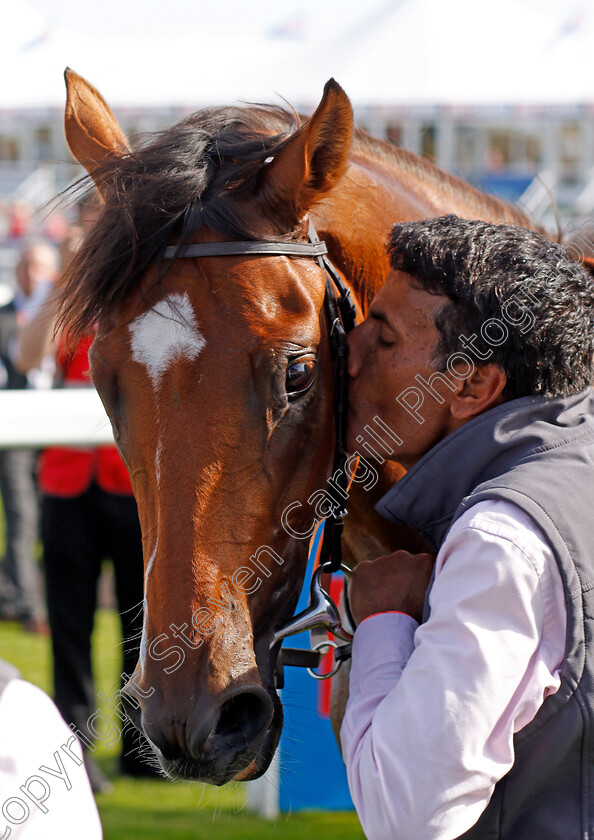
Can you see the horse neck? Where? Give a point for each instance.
(384, 185)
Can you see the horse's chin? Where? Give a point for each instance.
(250, 765)
(262, 762)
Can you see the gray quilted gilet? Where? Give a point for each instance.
(539, 454)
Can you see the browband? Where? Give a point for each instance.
(224, 249)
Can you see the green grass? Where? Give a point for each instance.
(143, 810)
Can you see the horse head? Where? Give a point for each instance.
(216, 375)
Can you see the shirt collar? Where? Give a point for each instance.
(427, 497)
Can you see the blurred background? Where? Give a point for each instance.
(500, 92)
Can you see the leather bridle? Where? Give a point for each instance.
(341, 315)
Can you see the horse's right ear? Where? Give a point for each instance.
(312, 161)
(92, 131)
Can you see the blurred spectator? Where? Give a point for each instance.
(44, 791)
(19, 223)
(20, 598)
(88, 514)
(4, 218)
(56, 227)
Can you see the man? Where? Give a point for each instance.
(20, 596)
(470, 715)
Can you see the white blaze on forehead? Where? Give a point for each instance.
(166, 332)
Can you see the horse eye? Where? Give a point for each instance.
(300, 376)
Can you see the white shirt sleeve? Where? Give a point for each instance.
(44, 788)
(429, 724)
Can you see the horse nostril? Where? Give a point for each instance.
(243, 718)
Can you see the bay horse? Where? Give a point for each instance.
(216, 374)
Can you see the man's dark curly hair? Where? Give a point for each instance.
(479, 267)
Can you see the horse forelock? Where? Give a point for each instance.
(188, 176)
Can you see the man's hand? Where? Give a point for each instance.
(397, 582)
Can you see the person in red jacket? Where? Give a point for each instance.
(88, 514)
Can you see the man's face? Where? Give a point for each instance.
(37, 264)
(396, 342)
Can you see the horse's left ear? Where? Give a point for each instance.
(312, 161)
(92, 131)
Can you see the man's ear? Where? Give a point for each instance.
(481, 391)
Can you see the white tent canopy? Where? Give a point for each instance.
(403, 52)
(210, 65)
(461, 52)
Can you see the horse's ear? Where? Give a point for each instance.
(92, 131)
(312, 161)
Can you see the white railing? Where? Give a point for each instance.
(263, 793)
(60, 417)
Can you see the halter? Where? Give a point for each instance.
(341, 315)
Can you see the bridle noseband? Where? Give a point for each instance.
(341, 315)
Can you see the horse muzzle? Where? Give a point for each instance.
(218, 741)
